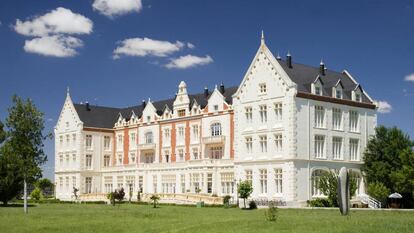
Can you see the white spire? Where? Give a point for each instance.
(321, 62)
(262, 39)
(67, 91)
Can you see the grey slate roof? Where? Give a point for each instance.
(304, 76)
(105, 117)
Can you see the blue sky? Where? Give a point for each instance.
(374, 40)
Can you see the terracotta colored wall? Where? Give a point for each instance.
(173, 142)
(187, 140)
(114, 150)
(160, 145)
(126, 146)
(232, 135)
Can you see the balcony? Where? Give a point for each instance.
(146, 146)
(214, 140)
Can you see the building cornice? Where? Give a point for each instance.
(335, 100)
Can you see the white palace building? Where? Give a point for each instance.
(282, 126)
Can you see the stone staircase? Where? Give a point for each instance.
(370, 201)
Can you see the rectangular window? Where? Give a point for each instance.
(120, 182)
(249, 145)
(67, 139)
(181, 155)
(67, 182)
(67, 159)
(354, 149)
(195, 133)
(318, 91)
(107, 142)
(263, 143)
(182, 181)
(263, 180)
(278, 111)
(278, 142)
(61, 140)
(181, 132)
(337, 147)
(167, 134)
(120, 142)
(61, 159)
(88, 161)
(262, 88)
(61, 183)
(107, 160)
(338, 94)
(88, 184)
(74, 139)
(216, 152)
(74, 158)
(132, 158)
(216, 107)
(119, 160)
(336, 119)
(319, 117)
(249, 114)
(227, 182)
(353, 121)
(279, 180)
(73, 181)
(263, 113)
(89, 142)
(249, 176)
(154, 183)
(195, 153)
(357, 97)
(133, 139)
(108, 184)
(319, 146)
(181, 113)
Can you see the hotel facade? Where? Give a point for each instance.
(280, 128)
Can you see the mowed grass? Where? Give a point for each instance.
(143, 218)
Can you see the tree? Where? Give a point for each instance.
(25, 125)
(154, 198)
(11, 180)
(378, 191)
(244, 190)
(36, 194)
(389, 159)
(2, 133)
(44, 184)
(328, 184)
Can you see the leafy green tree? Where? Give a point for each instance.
(25, 125)
(244, 190)
(154, 198)
(378, 191)
(328, 184)
(11, 180)
(2, 132)
(403, 178)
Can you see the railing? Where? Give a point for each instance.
(185, 198)
(370, 201)
(146, 146)
(214, 139)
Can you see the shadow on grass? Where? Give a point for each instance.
(16, 205)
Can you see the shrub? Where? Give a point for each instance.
(320, 202)
(271, 212)
(214, 195)
(36, 194)
(378, 191)
(154, 199)
(226, 201)
(252, 205)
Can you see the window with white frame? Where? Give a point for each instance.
(67, 159)
(120, 142)
(319, 146)
(67, 139)
(262, 88)
(148, 138)
(249, 144)
(167, 156)
(216, 152)
(119, 159)
(195, 133)
(263, 181)
(181, 112)
(279, 180)
(278, 142)
(73, 181)
(181, 133)
(61, 159)
(336, 119)
(263, 143)
(168, 183)
(140, 183)
(74, 139)
(61, 140)
(318, 90)
(154, 183)
(337, 147)
(358, 97)
(353, 121)
(107, 142)
(354, 149)
(319, 117)
(227, 182)
(74, 158)
(263, 113)
(249, 176)
(88, 141)
(338, 93)
(67, 183)
(61, 183)
(182, 182)
(278, 111)
(167, 134)
(120, 182)
(215, 129)
(149, 157)
(88, 161)
(88, 184)
(180, 155)
(107, 160)
(108, 185)
(132, 158)
(133, 139)
(216, 107)
(195, 153)
(130, 183)
(249, 114)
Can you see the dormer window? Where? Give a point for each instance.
(318, 90)
(181, 113)
(338, 94)
(215, 107)
(262, 88)
(357, 97)
(148, 118)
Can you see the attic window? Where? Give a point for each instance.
(195, 110)
(181, 112)
(148, 118)
(215, 107)
(262, 88)
(338, 94)
(357, 97)
(318, 90)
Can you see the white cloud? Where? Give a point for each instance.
(58, 21)
(55, 46)
(190, 46)
(384, 107)
(410, 77)
(142, 47)
(113, 8)
(188, 61)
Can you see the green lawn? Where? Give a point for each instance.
(142, 218)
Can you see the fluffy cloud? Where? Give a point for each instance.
(113, 8)
(58, 21)
(384, 107)
(410, 77)
(190, 46)
(188, 61)
(142, 47)
(55, 46)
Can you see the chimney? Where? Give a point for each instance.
(88, 107)
(322, 68)
(289, 60)
(144, 104)
(222, 88)
(278, 57)
(205, 92)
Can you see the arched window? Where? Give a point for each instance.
(316, 176)
(148, 137)
(216, 129)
